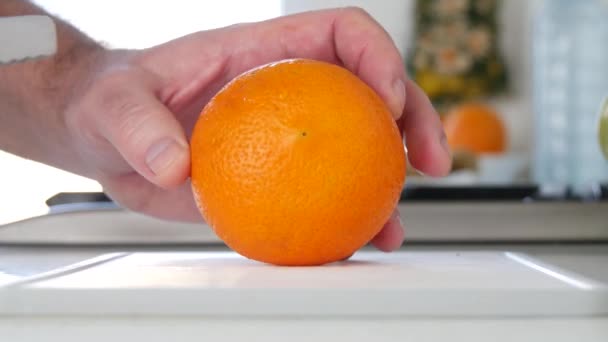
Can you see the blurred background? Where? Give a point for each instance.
(519, 85)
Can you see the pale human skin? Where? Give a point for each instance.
(124, 117)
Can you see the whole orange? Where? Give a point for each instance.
(475, 128)
(298, 162)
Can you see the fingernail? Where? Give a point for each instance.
(402, 227)
(420, 172)
(443, 140)
(163, 154)
(400, 220)
(399, 98)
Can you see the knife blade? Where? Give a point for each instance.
(26, 37)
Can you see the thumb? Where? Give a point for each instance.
(147, 135)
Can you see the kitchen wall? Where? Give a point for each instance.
(515, 107)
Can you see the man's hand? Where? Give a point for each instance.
(129, 116)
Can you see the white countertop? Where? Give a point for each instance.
(156, 292)
(423, 284)
(427, 292)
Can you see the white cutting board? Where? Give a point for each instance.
(371, 284)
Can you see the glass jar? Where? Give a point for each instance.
(570, 76)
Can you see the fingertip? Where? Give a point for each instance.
(428, 149)
(443, 142)
(428, 156)
(391, 236)
(396, 100)
(442, 161)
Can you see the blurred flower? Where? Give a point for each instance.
(430, 82)
(450, 60)
(456, 30)
(426, 43)
(449, 33)
(455, 53)
(478, 42)
(446, 8)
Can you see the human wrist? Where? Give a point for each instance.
(36, 93)
(54, 86)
